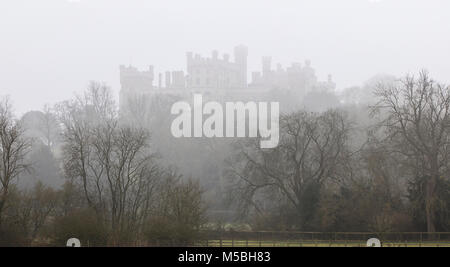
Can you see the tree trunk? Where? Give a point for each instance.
(2, 205)
(429, 203)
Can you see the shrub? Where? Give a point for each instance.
(81, 224)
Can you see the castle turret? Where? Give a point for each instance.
(168, 80)
(131, 79)
(160, 80)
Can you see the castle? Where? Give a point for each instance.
(220, 78)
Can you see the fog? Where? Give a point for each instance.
(135, 122)
(52, 48)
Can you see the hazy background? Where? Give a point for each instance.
(52, 48)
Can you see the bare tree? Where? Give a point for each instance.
(49, 127)
(112, 161)
(32, 208)
(312, 149)
(13, 149)
(182, 202)
(416, 122)
(179, 212)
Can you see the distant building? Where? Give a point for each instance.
(295, 78)
(131, 79)
(210, 74)
(222, 78)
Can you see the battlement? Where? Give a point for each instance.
(130, 70)
(220, 73)
(217, 72)
(134, 80)
(240, 57)
(197, 59)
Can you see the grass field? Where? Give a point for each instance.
(314, 243)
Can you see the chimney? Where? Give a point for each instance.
(160, 80)
(168, 80)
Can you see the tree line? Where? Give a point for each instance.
(381, 166)
(333, 173)
(115, 191)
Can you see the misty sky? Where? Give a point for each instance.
(50, 49)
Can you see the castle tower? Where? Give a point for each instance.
(131, 79)
(168, 80)
(240, 58)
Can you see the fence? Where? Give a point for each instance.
(286, 239)
(319, 239)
